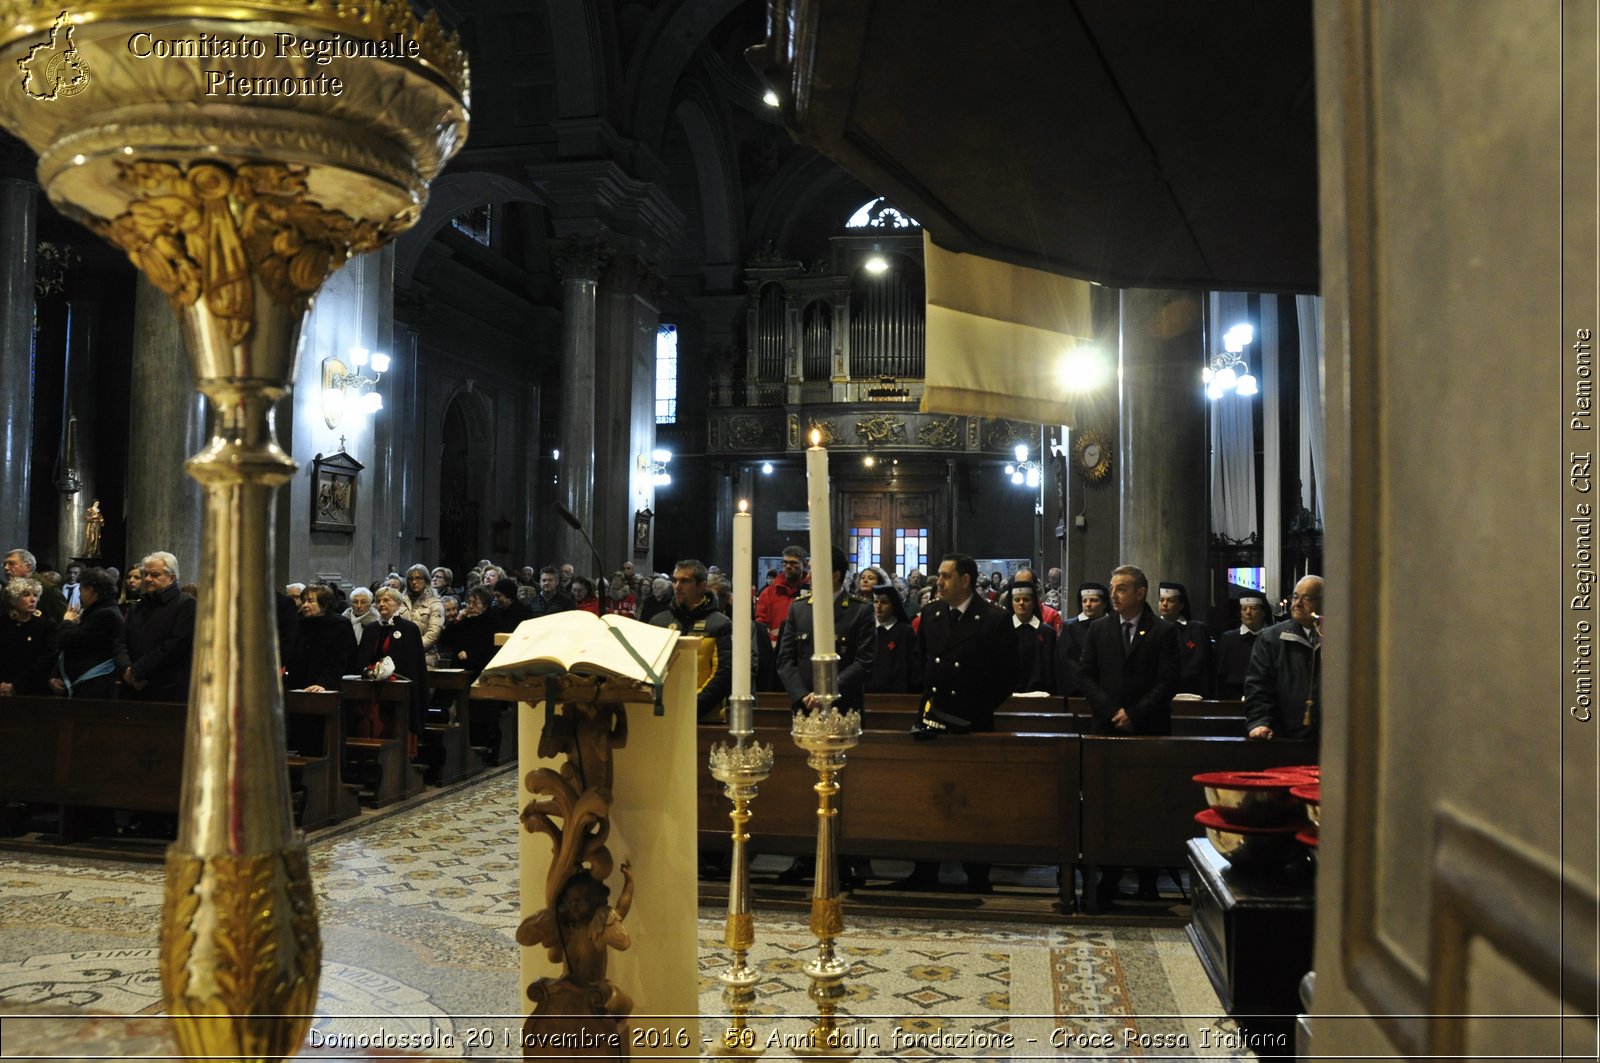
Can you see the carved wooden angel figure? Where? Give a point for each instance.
(581, 1011)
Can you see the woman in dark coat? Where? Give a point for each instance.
(27, 642)
(1036, 641)
(324, 646)
(87, 640)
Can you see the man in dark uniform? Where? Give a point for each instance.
(1283, 687)
(1196, 654)
(855, 645)
(1235, 644)
(1069, 647)
(1129, 673)
(967, 653)
(894, 658)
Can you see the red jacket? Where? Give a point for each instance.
(772, 607)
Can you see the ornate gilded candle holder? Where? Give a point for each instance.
(237, 176)
(740, 768)
(825, 734)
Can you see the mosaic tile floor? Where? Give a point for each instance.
(418, 914)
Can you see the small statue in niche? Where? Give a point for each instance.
(93, 522)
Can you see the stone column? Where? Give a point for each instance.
(166, 427)
(1162, 440)
(76, 479)
(580, 262)
(18, 237)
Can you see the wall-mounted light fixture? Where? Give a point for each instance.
(653, 467)
(348, 386)
(1022, 471)
(1230, 370)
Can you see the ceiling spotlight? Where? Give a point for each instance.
(766, 468)
(876, 264)
(770, 98)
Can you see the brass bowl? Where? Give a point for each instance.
(1249, 847)
(1254, 798)
(1311, 794)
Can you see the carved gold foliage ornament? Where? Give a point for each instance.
(824, 427)
(203, 232)
(945, 432)
(253, 1003)
(746, 433)
(881, 429)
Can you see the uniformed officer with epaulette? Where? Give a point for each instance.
(967, 654)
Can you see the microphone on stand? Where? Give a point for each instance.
(601, 586)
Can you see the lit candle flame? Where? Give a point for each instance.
(816, 437)
(744, 505)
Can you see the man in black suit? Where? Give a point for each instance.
(894, 660)
(400, 640)
(855, 645)
(158, 642)
(1129, 673)
(1069, 647)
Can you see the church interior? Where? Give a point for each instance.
(683, 235)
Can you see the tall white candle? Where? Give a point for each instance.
(821, 546)
(743, 581)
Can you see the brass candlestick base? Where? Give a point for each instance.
(740, 768)
(238, 206)
(826, 734)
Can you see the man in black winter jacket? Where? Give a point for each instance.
(158, 642)
(695, 612)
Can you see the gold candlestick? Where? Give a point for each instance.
(825, 734)
(237, 204)
(740, 768)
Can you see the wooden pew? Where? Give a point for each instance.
(1139, 797)
(81, 754)
(1007, 798)
(993, 797)
(397, 778)
(329, 799)
(77, 753)
(448, 739)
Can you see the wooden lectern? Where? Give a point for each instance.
(608, 842)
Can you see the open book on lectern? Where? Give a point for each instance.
(611, 647)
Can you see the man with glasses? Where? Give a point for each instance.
(1283, 685)
(158, 641)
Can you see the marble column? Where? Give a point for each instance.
(77, 450)
(1162, 440)
(18, 238)
(580, 262)
(166, 426)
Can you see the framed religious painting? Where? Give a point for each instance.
(641, 531)
(333, 492)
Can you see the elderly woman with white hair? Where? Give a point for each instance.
(360, 614)
(27, 641)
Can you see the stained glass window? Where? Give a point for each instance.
(667, 374)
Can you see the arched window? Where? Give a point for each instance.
(880, 214)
